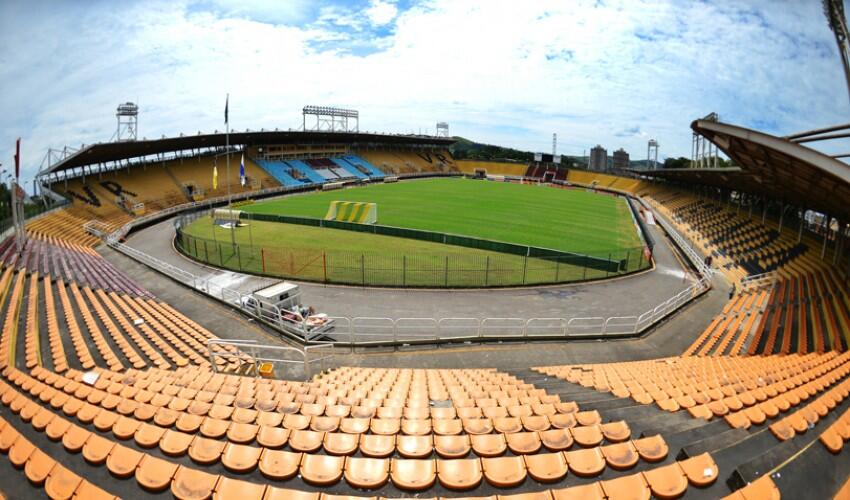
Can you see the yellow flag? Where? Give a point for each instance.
(215, 177)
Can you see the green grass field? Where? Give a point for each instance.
(566, 220)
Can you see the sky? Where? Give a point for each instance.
(615, 73)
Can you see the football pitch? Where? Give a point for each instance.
(568, 220)
(573, 221)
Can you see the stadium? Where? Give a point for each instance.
(330, 314)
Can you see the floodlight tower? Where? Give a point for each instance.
(652, 154)
(128, 122)
(442, 129)
(554, 144)
(834, 10)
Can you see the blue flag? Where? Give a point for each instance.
(242, 170)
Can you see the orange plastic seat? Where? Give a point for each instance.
(504, 472)
(523, 442)
(701, 470)
(782, 430)
(832, 440)
(413, 475)
(738, 420)
(632, 487)
(88, 491)
(228, 488)
(340, 443)
(97, 449)
(546, 467)
(587, 436)
(205, 451)
(488, 445)
(20, 451)
(324, 424)
(305, 441)
(452, 446)
(321, 470)
(447, 427)
(414, 446)
(591, 417)
(73, 440)
(154, 474)
(762, 488)
(616, 432)
(667, 482)
(477, 425)
(279, 464)
(274, 493)
(61, 483)
(148, 436)
(535, 423)
(38, 466)
(651, 448)
(272, 437)
(366, 473)
(507, 425)
(354, 425)
(556, 439)
(377, 446)
(175, 443)
(587, 462)
(385, 426)
(562, 420)
(620, 456)
(124, 428)
(193, 484)
(592, 491)
(460, 474)
(240, 458)
(123, 461)
(416, 427)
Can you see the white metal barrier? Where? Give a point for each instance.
(503, 327)
(251, 352)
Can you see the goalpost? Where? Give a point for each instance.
(353, 211)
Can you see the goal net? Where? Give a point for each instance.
(353, 211)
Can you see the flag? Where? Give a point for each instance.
(226, 105)
(242, 171)
(215, 177)
(18, 158)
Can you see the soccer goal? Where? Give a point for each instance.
(353, 211)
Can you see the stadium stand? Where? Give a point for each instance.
(407, 162)
(104, 382)
(470, 167)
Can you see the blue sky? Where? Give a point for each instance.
(502, 72)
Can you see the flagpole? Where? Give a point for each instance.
(227, 152)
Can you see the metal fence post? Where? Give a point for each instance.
(584, 275)
(447, 271)
(220, 256)
(557, 269)
(608, 267)
(628, 258)
(404, 270)
(487, 272)
(238, 258)
(363, 269)
(524, 268)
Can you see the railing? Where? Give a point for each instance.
(696, 259)
(250, 352)
(758, 281)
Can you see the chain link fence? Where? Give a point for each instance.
(449, 270)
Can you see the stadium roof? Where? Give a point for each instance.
(772, 167)
(116, 151)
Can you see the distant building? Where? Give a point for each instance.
(621, 159)
(598, 158)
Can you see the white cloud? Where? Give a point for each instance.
(381, 13)
(499, 71)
